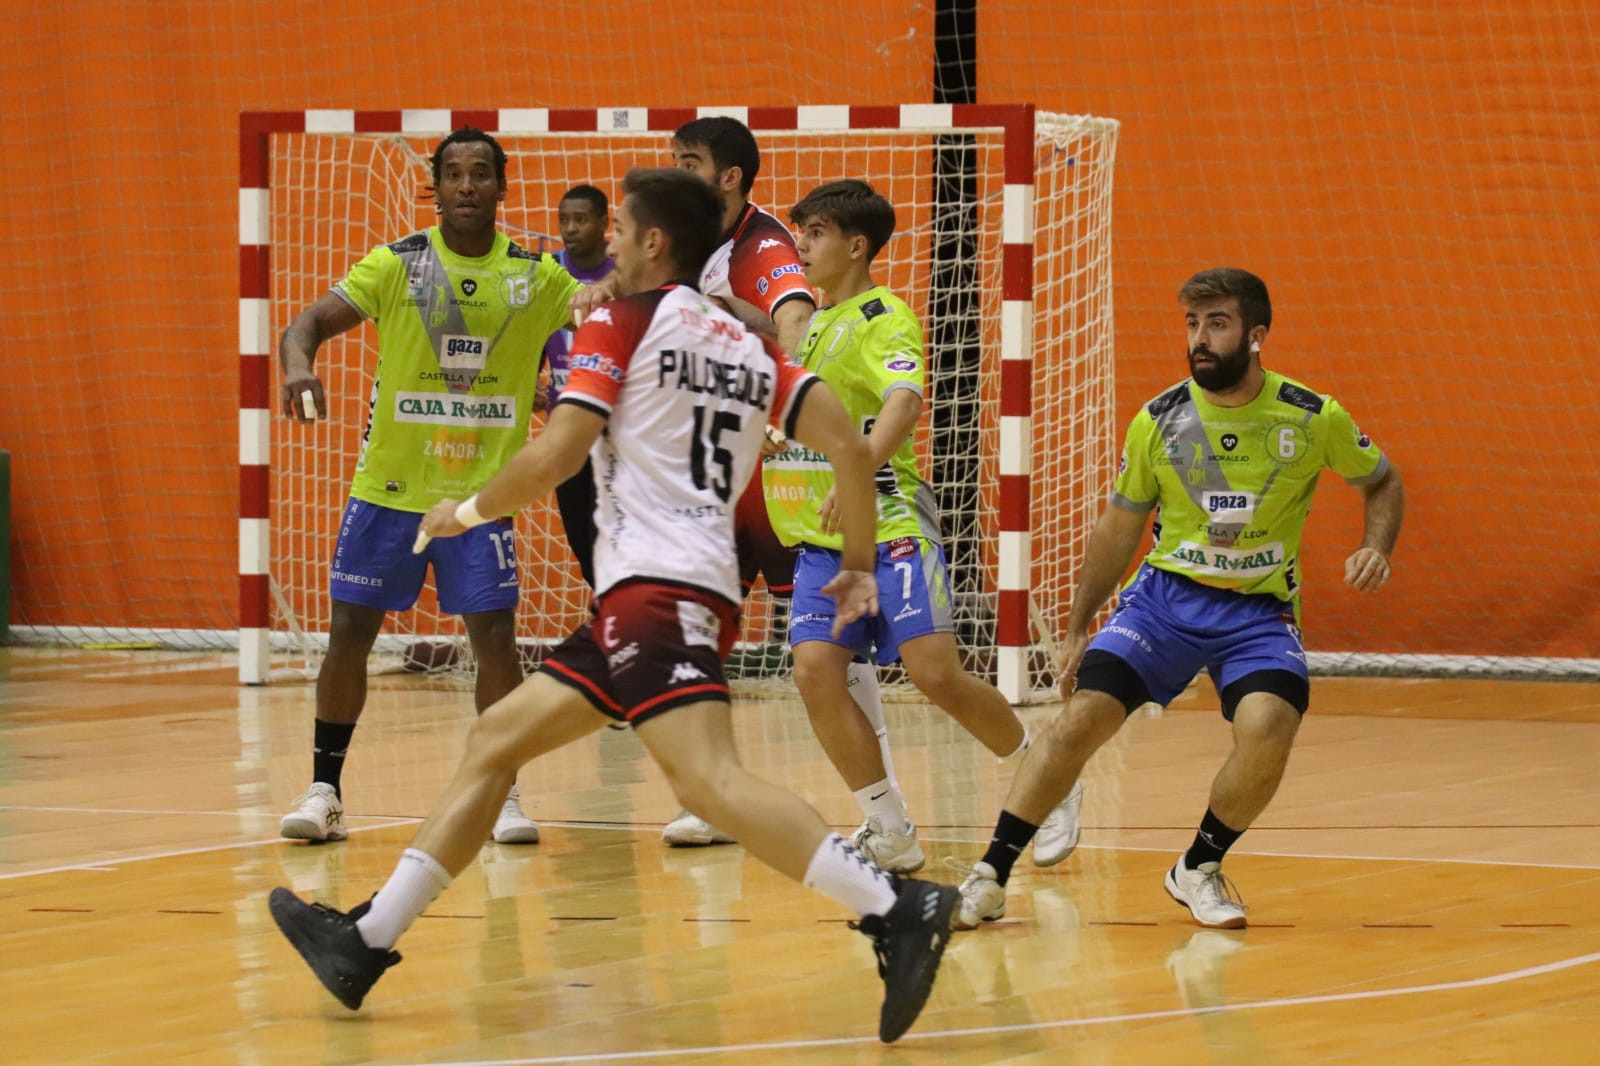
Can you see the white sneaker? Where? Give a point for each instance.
(983, 897)
(318, 815)
(512, 826)
(897, 853)
(1058, 833)
(1197, 964)
(1210, 897)
(691, 831)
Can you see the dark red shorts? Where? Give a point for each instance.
(759, 549)
(650, 647)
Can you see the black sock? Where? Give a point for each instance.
(1011, 835)
(1211, 843)
(330, 741)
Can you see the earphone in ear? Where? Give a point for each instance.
(1255, 346)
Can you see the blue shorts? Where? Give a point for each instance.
(1166, 627)
(913, 599)
(373, 565)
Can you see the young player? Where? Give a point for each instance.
(1227, 461)
(757, 274)
(867, 345)
(669, 396)
(462, 313)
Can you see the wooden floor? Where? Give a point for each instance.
(1425, 889)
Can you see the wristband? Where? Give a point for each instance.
(467, 512)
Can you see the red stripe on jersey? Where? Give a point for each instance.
(604, 345)
(763, 267)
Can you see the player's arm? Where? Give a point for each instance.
(1112, 543)
(590, 296)
(791, 318)
(822, 425)
(539, 466)
(330, 316)
(896, 422)
(1383, 506)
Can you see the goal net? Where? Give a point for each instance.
(1003, 248)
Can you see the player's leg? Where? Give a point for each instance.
(575, 499)
(1136, 659)
(476, 575)
(373, 573)
(916, 623)
(349, 952)
(1258, 666)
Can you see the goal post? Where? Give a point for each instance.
(1002, 247)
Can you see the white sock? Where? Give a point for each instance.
(416, 882)
(883, 800)
(842, 873)
(862, 678)
(1027, 740)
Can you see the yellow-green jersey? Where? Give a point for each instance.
(459, 344)
(1233, 484)
(864, 348)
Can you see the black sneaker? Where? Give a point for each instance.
(331, 945)
(909, 942)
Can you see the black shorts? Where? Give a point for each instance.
(760, 551)
(650, 647)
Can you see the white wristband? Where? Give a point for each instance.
(467, 512)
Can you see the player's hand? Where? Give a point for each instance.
(591, 296)
(438, 522)
(1366, 570)
(855, 594)
(1072, 648)
(775, 442)
(831, 519)
(303, 400)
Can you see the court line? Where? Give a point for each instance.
(624, 827)
(1034, 1027)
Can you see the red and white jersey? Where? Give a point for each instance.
(687, 392)
(756, 267)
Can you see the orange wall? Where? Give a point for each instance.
(1416, 185)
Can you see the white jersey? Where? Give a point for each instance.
(756, 267)
(686, 391)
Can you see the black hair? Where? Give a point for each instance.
(682, 206)
(470, 135)
(589, 193)
(731, 144)
(852, 205)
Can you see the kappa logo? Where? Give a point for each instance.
(600, 314)
(686, 672)
(768, 243)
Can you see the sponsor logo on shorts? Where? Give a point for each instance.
(686, 672)
(358, 579)
(622, 656)
(908, 611)
(701, 626)
(1129, 634)
(801, 619)
(900, 547)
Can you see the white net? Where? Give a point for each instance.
(336, 196)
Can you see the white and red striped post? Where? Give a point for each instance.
(1016, 320)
